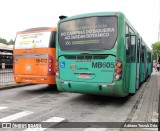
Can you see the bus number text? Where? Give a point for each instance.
(41, 60)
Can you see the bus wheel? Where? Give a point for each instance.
(52, 87)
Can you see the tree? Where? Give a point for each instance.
(11, 42)
(156, 50)
(4, 41)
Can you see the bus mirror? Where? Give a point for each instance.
(62, 17)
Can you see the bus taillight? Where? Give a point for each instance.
(50, 61)
(118, 70)
(50, 65)
(57, 69)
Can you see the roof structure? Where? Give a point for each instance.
(5, 47)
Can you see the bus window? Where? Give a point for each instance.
(133, 48)
(91, 33)
(32, 40)
(127, 42)
(142, 54)
(52, 43)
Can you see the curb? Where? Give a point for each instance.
(13, 86)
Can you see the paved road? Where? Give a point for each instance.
(38, 103)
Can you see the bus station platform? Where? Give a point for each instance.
(147, 106)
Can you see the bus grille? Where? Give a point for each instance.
(85, 57)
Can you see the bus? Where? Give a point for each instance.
(34, 56)
(102, 54)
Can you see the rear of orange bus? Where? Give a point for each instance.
(35, 56)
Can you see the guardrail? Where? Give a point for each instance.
(6, 75)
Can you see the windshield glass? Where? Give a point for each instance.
(92, 33)
(33, 40)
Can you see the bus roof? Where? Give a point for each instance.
(65, 18)
(37, 29)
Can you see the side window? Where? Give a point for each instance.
(138, 49)
(53, 40)
(127, 40)
(133, 48)
(148, 57)
(142, 54)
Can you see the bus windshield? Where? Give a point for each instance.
(91, 33)
(33, 40)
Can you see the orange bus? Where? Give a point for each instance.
(34, 56)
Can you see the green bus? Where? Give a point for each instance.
(102, 54)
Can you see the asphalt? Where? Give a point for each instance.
(146, 108)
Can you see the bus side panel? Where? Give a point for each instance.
(91, 88)
(149, 69)
(142, 73)
(33, 67)
(132, 84)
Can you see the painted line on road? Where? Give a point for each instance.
(55, 120)
(3, 107)
(15, 116)
(95, 129)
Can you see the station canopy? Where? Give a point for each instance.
(4, 47)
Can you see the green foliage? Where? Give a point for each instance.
(4, 41)
(11, 42)
(156, 50)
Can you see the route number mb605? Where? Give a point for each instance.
(102, 64)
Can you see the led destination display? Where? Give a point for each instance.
(92, 33)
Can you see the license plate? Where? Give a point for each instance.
(85, 76)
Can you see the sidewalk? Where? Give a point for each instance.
(13, 85)
(147, 109)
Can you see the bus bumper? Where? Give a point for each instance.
(108, 89)
(35, 79)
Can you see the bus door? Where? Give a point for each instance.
(128, 59)
(142, 64)
(133, 64)
(138, 62)
(145, 64)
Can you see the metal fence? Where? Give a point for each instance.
(6, 76)
(6, 67)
